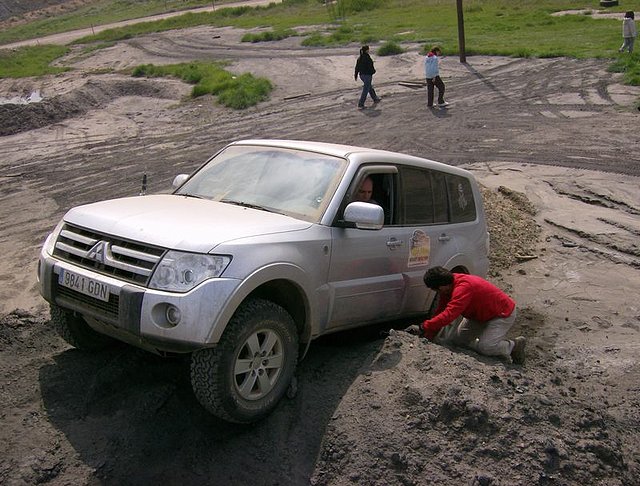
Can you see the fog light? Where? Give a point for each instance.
(173, 315)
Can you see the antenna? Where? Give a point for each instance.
(143, 191)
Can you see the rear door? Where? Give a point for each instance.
(438, 208)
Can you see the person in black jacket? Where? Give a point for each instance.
(364, 67)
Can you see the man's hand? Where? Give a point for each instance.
(414, 329)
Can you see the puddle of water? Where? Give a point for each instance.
(34, 97)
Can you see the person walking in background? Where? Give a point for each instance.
(432, 73)
(364, 67)
(629, 32)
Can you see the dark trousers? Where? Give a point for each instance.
(431, 82)
(367, 89)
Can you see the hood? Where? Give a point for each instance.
(179, 222)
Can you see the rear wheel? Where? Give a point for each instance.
(74, 330)
(244, 377)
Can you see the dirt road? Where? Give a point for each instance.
(371, 410)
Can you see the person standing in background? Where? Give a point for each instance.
(629, 32)
(432, 73)
(364, 67)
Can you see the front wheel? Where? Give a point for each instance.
(75, 331)
(244, 377)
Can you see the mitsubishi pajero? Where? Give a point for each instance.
(258, 252)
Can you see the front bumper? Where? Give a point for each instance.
(137, 315)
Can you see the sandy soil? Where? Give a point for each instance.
(373, 408)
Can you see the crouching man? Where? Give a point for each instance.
(488, 314)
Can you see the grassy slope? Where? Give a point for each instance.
(98, 13)
(500, 27)
(503, 27)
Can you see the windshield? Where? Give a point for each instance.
(292, 182)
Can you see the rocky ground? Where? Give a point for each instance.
(556, 155)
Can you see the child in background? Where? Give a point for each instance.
(629, 32)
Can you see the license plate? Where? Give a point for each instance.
(84, 285)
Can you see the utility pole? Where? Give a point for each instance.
(463, 55)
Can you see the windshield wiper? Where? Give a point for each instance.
(186, 194)
(249, 205)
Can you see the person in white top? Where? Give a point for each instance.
(432, 74)
(629, 32)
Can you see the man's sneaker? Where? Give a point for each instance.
(360, 107)
(517, 353)
(375, 102)
(441, 105)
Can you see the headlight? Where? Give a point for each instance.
(180, 272)
(50, 242)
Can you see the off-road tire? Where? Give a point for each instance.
(74, 330)
(216, 379)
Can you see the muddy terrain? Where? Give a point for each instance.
(554, 143)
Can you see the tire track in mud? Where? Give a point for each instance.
(496, 115)
(614, 233)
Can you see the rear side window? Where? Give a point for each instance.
(461, 202)
(417, 196)
(432, 197)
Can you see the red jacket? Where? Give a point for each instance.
(472, 297)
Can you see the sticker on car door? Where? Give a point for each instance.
(420, 249)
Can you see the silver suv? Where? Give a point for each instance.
(262, 249)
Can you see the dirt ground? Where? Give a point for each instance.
(553, 141)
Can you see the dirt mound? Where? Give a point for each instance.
(513, 231)
(454, 418)
(95, 93)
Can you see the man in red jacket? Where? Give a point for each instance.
(488, 314)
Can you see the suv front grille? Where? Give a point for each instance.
(109, 309)
(108, 255)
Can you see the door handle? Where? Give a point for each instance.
(444, 237)
(393, 243)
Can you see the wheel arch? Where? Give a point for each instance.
(286, 285)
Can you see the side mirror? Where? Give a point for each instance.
(179, 180)
(364, 215)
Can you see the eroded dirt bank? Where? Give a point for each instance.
(372, 409)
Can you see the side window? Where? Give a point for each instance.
(417, 201)
(376, 188)
(424, 196)
(461, 201)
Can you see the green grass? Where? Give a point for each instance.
(30, 61)
(520, 28)
(233, 91)
(99, 13)
(630, 66)
(492, 27)
(270, 35)
(389, 48)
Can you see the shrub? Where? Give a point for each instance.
(389, 49)
(272, 35)
(233, 91)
